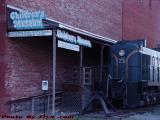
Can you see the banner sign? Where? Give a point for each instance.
(68, 46)
(33, 33)
(27, 20)
(65, 36)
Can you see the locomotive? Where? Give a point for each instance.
(134, 75)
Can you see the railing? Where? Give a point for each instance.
(35, 105)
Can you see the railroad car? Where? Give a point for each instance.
(135, 75)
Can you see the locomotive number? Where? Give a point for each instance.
(121, 60)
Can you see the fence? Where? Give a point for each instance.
(71, 96)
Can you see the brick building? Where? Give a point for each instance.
(141, 20)
(25, 62)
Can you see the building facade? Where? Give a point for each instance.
(26, 61)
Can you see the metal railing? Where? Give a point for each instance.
(35, 105)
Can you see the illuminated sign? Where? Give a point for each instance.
(65, 36)
(68, 46)
(27, 20)
(30, 33)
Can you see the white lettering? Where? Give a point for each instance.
(27, 20)
(65, 36)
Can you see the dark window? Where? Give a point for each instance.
(145, 67)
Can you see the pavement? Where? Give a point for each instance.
(147, 113)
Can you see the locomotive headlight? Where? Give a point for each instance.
(121, 53)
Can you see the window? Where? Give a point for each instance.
(153, 61)
(87, 73)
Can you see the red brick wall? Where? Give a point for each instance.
(141, 19)
(29, 61)
(102, 17)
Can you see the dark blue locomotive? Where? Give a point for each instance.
(135, 75)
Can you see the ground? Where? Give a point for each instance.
(148, 113)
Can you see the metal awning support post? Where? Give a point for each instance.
(81, 65)
(81, 56)
(54, 70)
(101, 63)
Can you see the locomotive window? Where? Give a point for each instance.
(153, 61)
(145, 63)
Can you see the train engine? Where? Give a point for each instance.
(135, 75)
